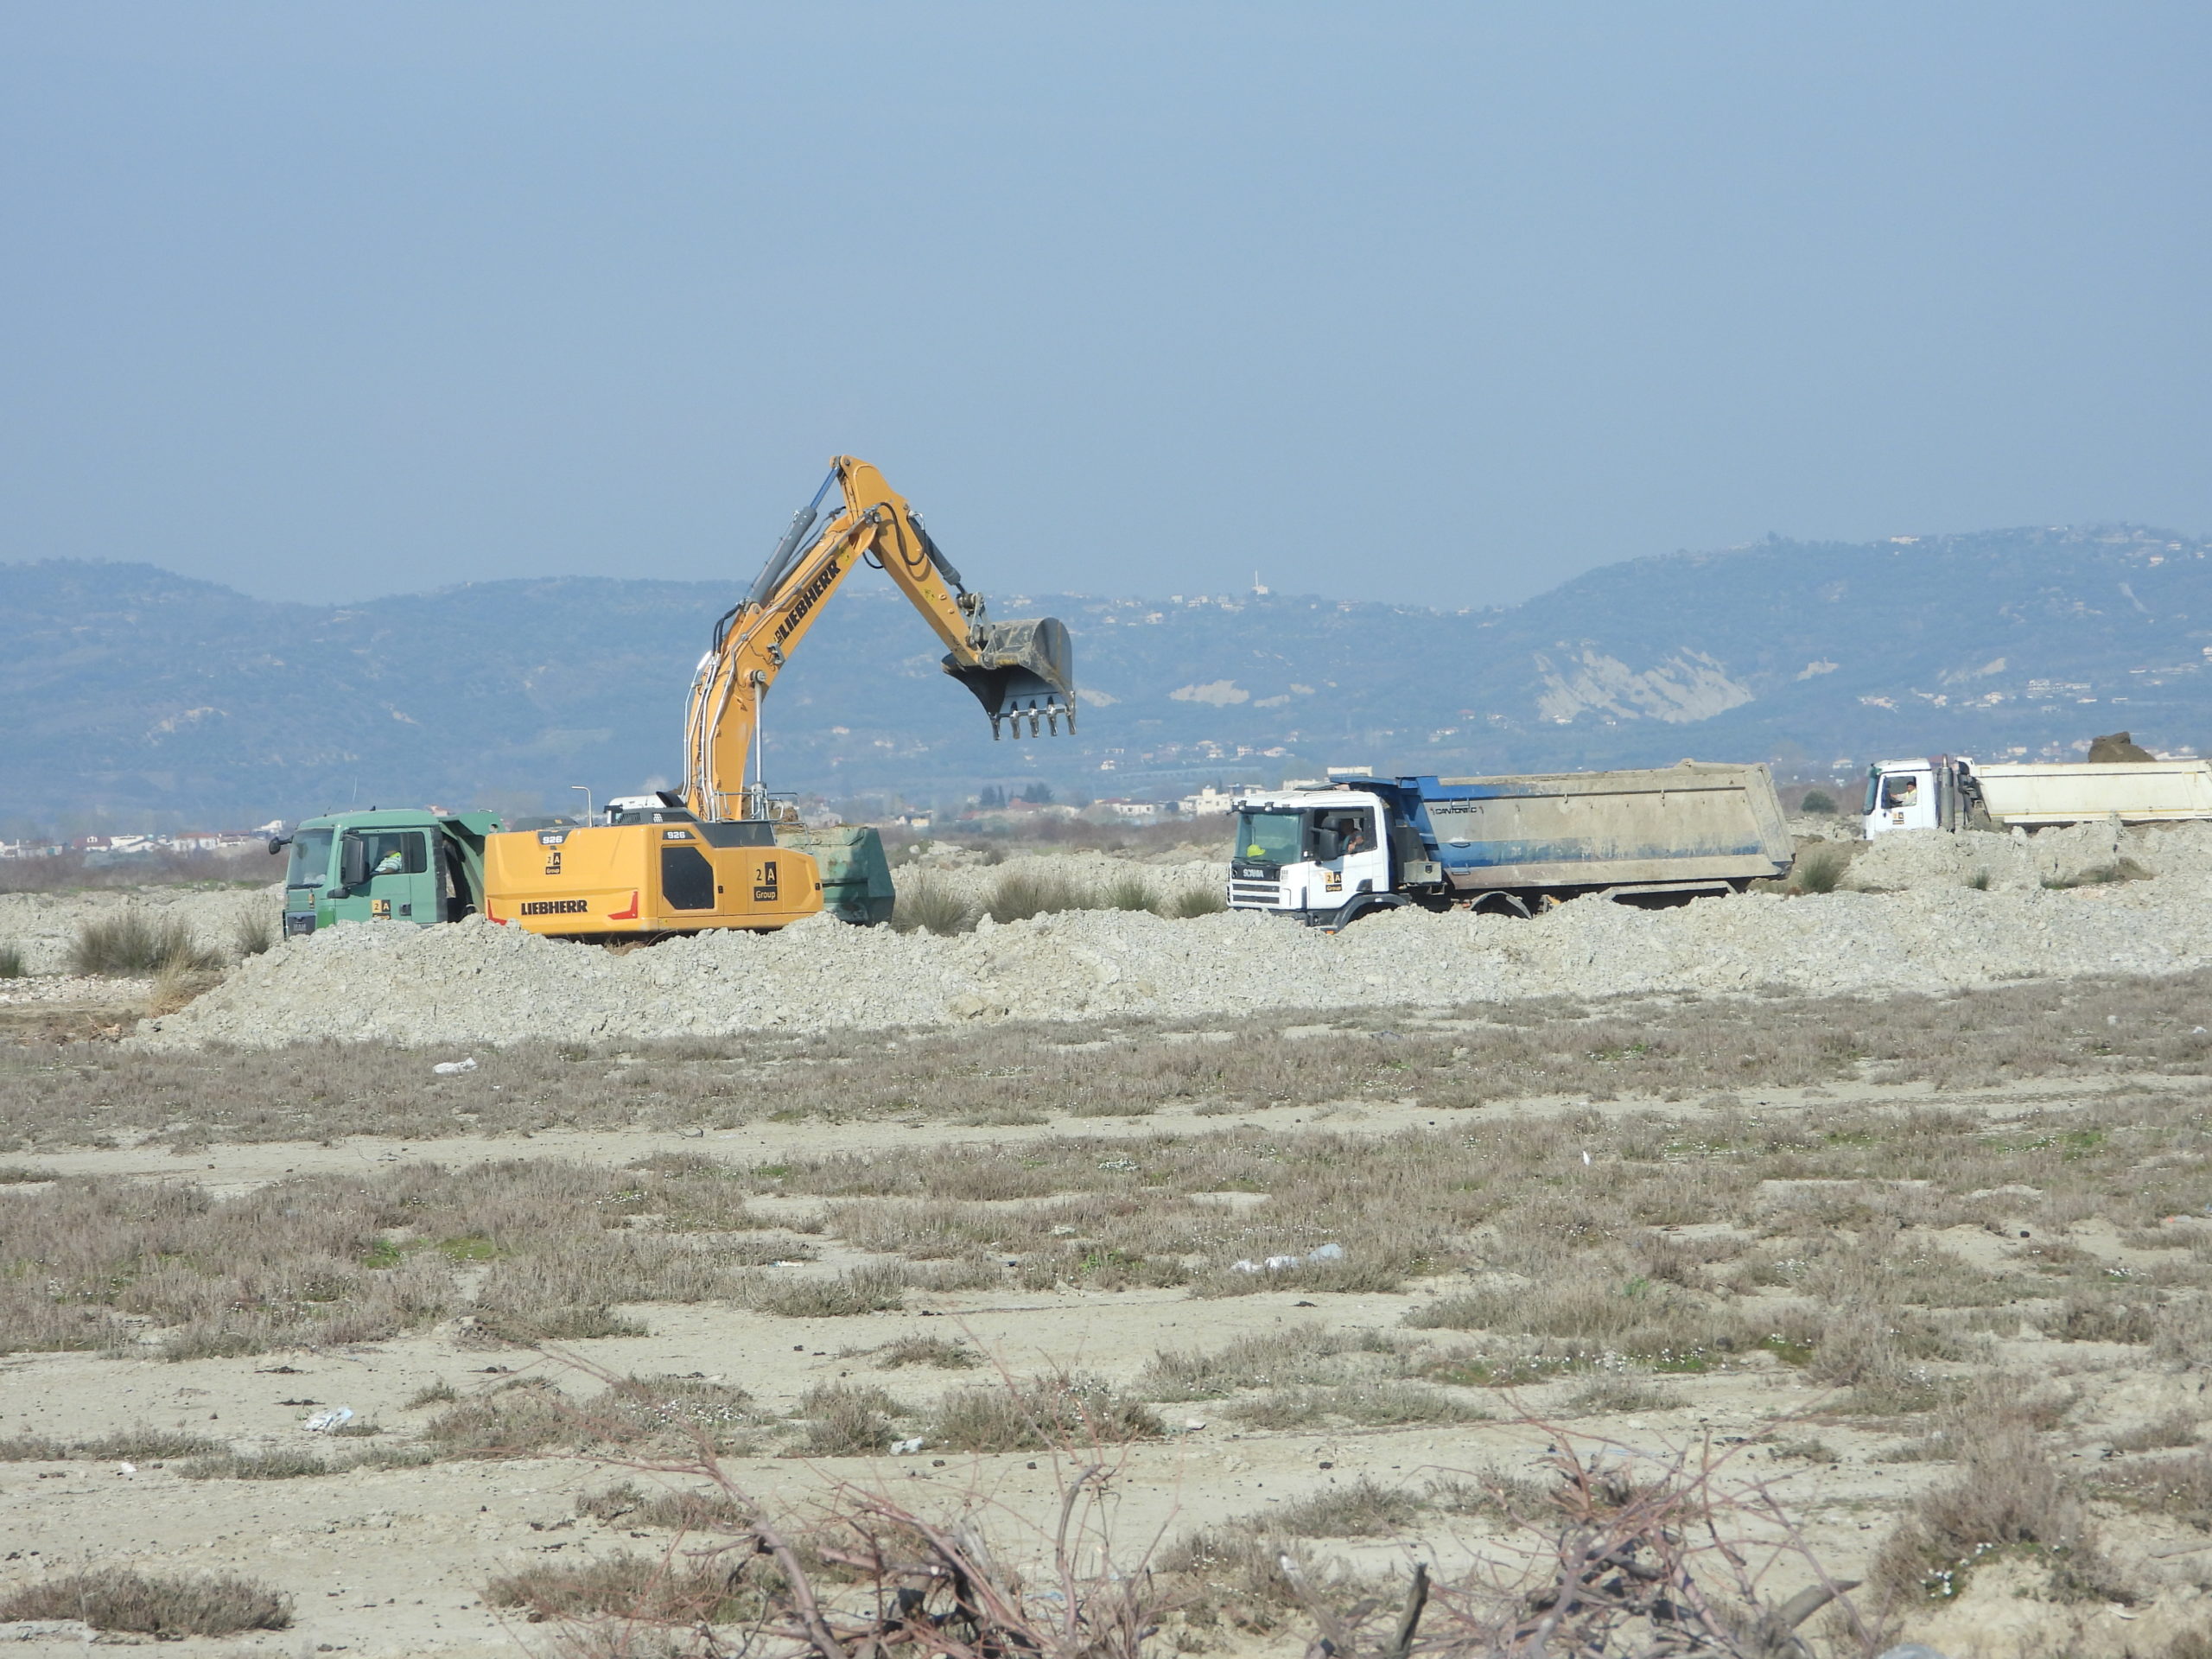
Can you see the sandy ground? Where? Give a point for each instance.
(394, 1563)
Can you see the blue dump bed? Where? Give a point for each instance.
(1691, 822)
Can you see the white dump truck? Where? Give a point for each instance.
(1658, 837)
(1956, 792)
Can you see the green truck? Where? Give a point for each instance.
(415, 864)
(399, 864)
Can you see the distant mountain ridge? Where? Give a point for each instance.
(135, 693)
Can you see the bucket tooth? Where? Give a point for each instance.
(1020, 668)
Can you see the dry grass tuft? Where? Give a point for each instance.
(632, 1588)
(1040, 1414)
(2008, 1499)
(687, 1510)
(132, 941)
(1375, 1403)
(1194, 902)
(946, 1354)
(116, 1599)
(129, 1445)
(875, 1287)
(1819, 869)
(1019, 895)
(847, 1420)
(930, 904)
(1362, 1509)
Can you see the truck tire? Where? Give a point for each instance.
(1359, 904)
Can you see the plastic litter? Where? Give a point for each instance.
(323, 1422)
(1277, 1264)
(126, 1468)
(903, 1448)
(454, 1068)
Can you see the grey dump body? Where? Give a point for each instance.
(1697, 822)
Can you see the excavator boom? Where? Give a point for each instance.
(1019, 670)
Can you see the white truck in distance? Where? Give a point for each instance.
(1955, 793)
(1513, 844)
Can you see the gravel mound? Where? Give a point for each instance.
(1921, 859)
(476, 984)
(43, 926)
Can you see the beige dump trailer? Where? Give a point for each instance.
(1661, 835)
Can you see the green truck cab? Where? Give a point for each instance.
(400, 864)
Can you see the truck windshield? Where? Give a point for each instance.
(1271, 838)
(1873, 788)
(310, 866)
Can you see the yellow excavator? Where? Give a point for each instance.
(725, 852)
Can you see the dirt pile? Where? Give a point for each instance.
(477, 983)
(44, 925)
(2080, 854)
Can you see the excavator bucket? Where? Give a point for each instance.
(1025, 670)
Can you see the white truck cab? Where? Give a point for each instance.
(1931, 794)
(1309, 851)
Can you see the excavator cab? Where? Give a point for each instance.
(1025, 669)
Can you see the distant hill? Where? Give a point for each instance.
(133, 694)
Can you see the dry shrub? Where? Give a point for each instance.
(931, 904)
(1610, 1392)
(2088, 1316)
(1129, 891)
(253, 932)
(2006, 1498)
(296, 1463)
(1193, 902)
(873, 1287)
(1598, 1313)
(133, 942)
(2178, 1486)
(633, 1588)
(687, 1510)
(177, 984)
(1303, 1354)
(1372, 1403)
(1362, 1509)
(116, 1599)
(672, 1413)
(517, 1419)
(529, 1415)
(1040, 1413)
(846, 1420)
(1819, 869)
(1018, 895)
(129, 1445)
(946, 1354)
(2182, 1331)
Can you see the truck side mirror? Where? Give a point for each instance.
(353, 862)
(277, 844)
(1328, 844)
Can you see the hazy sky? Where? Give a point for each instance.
(1428, 303)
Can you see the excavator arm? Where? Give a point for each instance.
(1021, 669)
